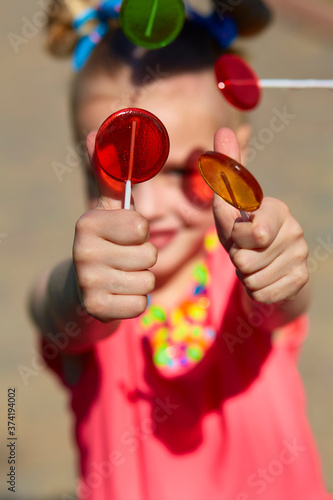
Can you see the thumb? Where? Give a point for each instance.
(111, 192)
(225, 141)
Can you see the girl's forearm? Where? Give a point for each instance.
(56, 309)
(279, 313)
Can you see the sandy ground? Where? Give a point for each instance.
(38, 213)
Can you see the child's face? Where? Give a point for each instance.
(191, 109)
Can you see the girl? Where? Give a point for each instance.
(195, 395)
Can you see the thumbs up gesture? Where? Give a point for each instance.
(269, 252)
(112, 254)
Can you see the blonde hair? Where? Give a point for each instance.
(61, 37)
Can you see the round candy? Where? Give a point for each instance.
(230, 180)
(152, 23)
(237, 82)
(132, 144)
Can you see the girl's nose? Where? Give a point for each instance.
(148, 199)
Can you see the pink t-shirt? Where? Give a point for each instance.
(232, 428)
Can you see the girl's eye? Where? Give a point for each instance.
(179, 172)
(188, 169)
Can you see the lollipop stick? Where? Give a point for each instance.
(232, 196)
(243, 82)
(128, 188)
(151, 18)
(296, 84)
(278, 83)
(128, 193)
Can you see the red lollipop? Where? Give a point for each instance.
(238, 82)
(241, 86)
(132, 146)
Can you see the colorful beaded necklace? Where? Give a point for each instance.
(179, 338)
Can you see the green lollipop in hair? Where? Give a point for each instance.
(152, 23)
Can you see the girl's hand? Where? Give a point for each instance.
(269, 252)
(112, 255)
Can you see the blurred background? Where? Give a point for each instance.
(38, 213)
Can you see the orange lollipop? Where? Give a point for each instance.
(231, 181)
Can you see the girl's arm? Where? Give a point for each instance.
(57, 311)
(282, 312)
(107, 280)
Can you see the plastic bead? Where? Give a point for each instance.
(200, 273)
(230, 180)
(160, 356)
(195, 352)
(211, 241)
(158, 313)
(152, 23)
(196, 313)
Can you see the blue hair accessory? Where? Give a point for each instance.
(83, 17)
(224, 31)
(109, 9)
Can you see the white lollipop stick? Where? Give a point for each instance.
(280, 83)
(128, 193)
(244, 215)
(128, 188)
(295, 84)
